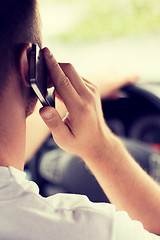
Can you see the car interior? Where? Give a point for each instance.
(134, 116)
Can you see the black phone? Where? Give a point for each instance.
(38, 74)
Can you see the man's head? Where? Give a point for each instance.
(20, 25)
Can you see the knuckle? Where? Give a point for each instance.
(94, 89)
(54, 125)
(64, 82)
(89, 103)
(92, 97)
(55, 63)
(69, 65)
(66, 66)
(54, 122)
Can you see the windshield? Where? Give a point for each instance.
(98, 36)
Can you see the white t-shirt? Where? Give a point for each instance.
(24, 214)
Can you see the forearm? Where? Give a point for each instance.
(127, 186)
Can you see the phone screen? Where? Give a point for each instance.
(38, 74)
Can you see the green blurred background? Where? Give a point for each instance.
(97, 19)
(120, 34)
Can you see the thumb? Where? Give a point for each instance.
(54, 122)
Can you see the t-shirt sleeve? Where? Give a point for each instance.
(126, 228)
(97, 221)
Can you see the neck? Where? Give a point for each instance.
(12, 133)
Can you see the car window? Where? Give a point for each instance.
(103, 35)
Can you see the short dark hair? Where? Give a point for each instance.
(19, 24)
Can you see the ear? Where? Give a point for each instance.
(23, 64)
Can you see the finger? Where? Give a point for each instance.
(59, 105)
(58, 128)
(86, 81)
(49, 82)
(74, 77)
(89, 84)
(92, 87)
(56, 95)
(60, 81)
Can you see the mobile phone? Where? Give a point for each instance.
(38, 74)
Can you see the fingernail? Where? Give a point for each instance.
(47, 52)
(47, 114)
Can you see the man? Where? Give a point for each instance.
(24, 213)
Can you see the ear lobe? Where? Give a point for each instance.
(24, 65)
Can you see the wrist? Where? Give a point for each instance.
(104, 149)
